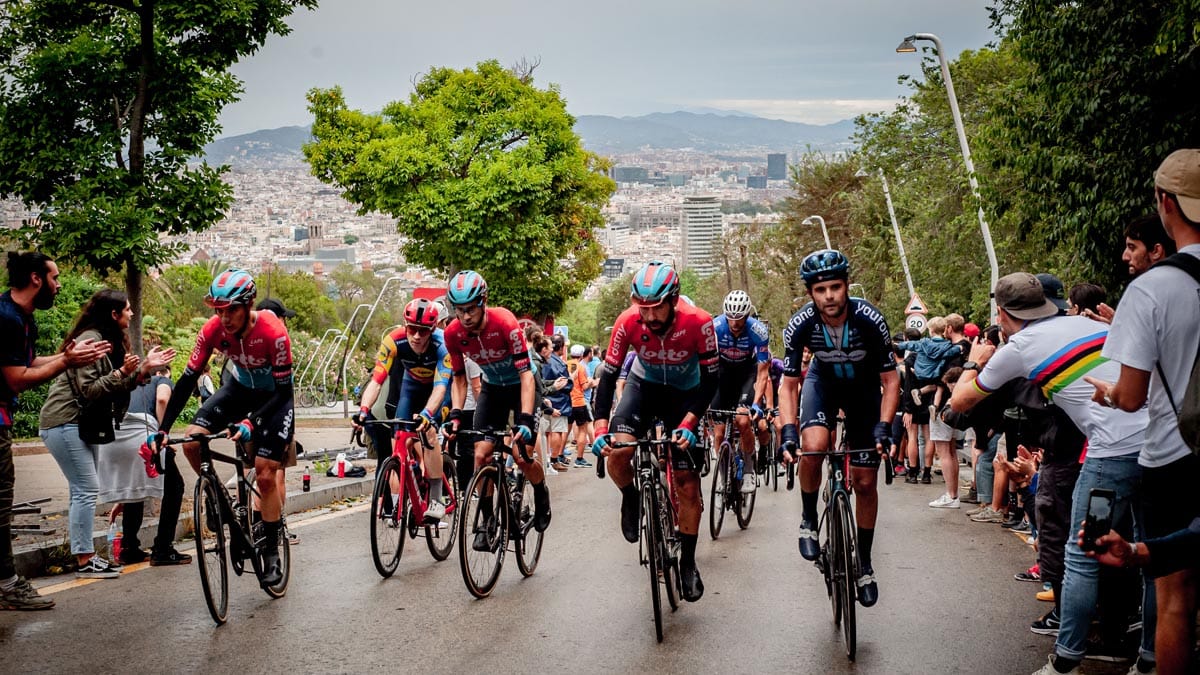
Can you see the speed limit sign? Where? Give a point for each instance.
(916, 321)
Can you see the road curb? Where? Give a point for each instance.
(32, 560)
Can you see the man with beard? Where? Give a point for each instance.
(33, 283)
(852, 358)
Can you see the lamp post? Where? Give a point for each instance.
(907, 47)
(887, 195)
(818, 219)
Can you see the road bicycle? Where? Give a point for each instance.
(497, 509)
(726, 489)
(767, 463)
(658, 541)
(400, 496)
(214, 511)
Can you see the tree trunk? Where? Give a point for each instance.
(133, 287)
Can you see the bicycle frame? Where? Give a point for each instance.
(409, 462)
(239, 526)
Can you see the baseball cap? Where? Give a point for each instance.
(970, 331)
(1179, 174)
(276, 307)
(1053, 288)
(576, 351)
(1021, 295)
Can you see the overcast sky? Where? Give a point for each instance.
(815, 61)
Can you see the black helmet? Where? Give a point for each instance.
(824, 265)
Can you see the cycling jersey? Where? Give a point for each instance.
(499, 348)
(683, 358)
(859, 351)
(748, 346)
(261, 359)
(398, 359)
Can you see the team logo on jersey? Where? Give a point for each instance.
(668, 355)
(489, 355)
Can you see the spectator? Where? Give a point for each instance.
(204, 386)
(1085, 298)
(123, 476)
(105, 317)
(555, 419)
(1153, 337)
(1146, 242)
(933, 357)
(33, 284)
(581, 416)
(917, 418)
(942, 436)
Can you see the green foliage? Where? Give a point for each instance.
(482, 170)
(349, 240)
(582, 318)
(102, 105)
(613, 299)
(745, 206)
(1109, 91)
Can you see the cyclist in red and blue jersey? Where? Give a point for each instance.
(743, 364)
(415, 359)
(672, 380)
(492, 338)
(254, 401)
(852, 370)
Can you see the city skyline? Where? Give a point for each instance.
(799, 61)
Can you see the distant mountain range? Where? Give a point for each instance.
(723, 132)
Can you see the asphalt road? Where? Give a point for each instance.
(948, 604)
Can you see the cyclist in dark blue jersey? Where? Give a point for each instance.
(852, 370)
(742, 368)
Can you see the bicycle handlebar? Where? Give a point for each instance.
(629, 444)
(483, 433)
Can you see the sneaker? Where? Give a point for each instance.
(1031, 574)
(550, 470)
(972, 497)
(900, 470)
(561, 465)
(1141, 667)
(1049, 669)
(978, 510)
(868, 590)
(1011, 522)
(98, 568)
(912, 478)
(988, 515)
(1022, 527)
(23, 597)
(944, 502)
(582, 463)
(749, 484)
(1046, 595)
(132, 556)
(926, 479)
(1047, 625)
(916, 396)
(809, 548)
(171, 557)
(435, 512)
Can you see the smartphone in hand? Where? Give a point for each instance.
(1099, 516)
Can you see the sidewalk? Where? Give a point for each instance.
(38, 476)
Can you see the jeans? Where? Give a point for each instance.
(1081, 580)
(985, 473)
(78, 463)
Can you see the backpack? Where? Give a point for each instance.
(1188, 412)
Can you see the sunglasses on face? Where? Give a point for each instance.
(419, 330)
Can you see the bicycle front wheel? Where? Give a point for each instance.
(528, 539)
(669, 544)
(285, 565)
(440, 536)
(483, 532)
(389, 507)
(653, 547)
(745, 506)
(211, 551)
(847, 568)
(720, 489)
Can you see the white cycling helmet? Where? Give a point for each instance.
(738, 305)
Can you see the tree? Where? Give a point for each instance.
(1112, 86)
(101, 106)
(482, 171)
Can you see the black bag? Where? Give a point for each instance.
(95, 417)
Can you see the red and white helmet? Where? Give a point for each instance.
(421, 312)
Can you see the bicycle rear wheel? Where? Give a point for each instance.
(528, 539)
(483, 532)
(211, 551)
(848, 569)
(388, 517)
(440, 536)
(722, 476)
(285, 566)
(653, 552)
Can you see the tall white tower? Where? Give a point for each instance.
(701, 230)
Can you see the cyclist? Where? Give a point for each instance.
(743, 375)
(770, 403)
(673, 380)
(415, 359)
(851, 357)
(492, 338)
(259, 392)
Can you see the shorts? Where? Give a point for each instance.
(642, 404)
(233, 403)
(1168, 503)
(581, 415)
(554, 424)
(494, 408)
(819, 405)
(939, 430)
(735, 388)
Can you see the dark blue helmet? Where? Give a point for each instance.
(824, 265)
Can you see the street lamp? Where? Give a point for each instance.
(907, 47)
(887, 194)
(818, 219)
